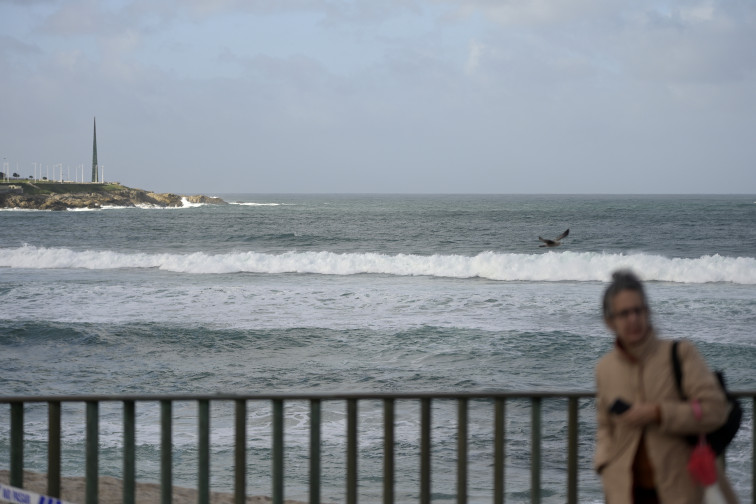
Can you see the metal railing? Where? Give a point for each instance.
(499, 400)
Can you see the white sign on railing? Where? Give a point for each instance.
(21, 496)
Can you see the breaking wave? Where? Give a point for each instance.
(547, 267)
(188, 204)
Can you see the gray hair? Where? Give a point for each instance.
(622, 280)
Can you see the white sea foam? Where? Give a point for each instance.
(254, 204)
(548, 267)
(22, 210)
(188, 204)
(87, 209)
(144, 206)
(104, 207)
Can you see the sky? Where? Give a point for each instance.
(384, 96)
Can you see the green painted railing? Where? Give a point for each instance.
(277, 401)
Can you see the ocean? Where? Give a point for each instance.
(360, 293)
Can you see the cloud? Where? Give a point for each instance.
(12, 47)
(697, 43)
(475, 53)
(532, 13)
(78, 17)
(436, 95)
(27, 2)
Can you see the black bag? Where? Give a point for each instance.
(718, 439)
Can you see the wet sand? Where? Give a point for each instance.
(111, 491)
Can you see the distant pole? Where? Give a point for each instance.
(95, 177)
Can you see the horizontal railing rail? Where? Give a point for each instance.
(17, 405)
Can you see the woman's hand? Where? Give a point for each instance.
(640, 415)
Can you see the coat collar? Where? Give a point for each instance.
(641, 352)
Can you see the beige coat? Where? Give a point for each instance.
(648, 377)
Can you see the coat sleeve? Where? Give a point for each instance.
(699, 383)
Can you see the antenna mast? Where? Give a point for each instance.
(95, 177)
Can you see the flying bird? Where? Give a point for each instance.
(555, 242)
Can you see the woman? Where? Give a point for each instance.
(641, 453)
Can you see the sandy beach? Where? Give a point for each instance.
(111, 491)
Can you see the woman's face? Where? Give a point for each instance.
(628, 318)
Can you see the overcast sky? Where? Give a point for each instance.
(405, 96)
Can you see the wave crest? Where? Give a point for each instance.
(546, 267)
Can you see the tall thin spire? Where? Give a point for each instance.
(95, 175)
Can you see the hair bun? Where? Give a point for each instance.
(624, 275)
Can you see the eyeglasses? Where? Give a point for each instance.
(636, 310)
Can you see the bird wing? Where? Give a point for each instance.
(563, 235)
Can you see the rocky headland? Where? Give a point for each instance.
(65, 196)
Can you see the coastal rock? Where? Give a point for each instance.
(163, 199)
(102, 196)
(208, 200)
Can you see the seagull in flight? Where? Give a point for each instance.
(555, 242)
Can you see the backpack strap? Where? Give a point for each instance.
(677, 368)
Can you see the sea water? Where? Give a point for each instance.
(359, 293)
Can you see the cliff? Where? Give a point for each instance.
(64, 196)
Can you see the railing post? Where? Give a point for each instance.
(572, 450)
(500, 449)
(240, 453)
(166, 452)
(92, 469)
(278, 448)
(462, 451)
(315, 451)
(351, 497)
(535, 450)
(425, 450)
(17, 445)
(129, 452)
(53, 449)
(388, 451)
(203, 483)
